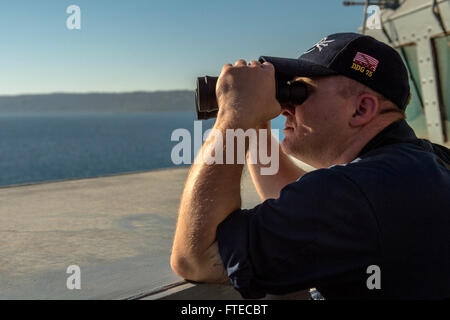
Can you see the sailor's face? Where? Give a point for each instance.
(315, 124)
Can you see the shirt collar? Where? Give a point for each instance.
(397, 132)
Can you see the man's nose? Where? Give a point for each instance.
(287, 110)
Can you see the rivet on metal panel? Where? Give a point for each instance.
(433, 102)
(413, 35)
(430, 29)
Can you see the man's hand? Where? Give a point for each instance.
(246, 95)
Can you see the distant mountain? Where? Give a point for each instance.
(176, 100)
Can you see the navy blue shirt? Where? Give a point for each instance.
(390, 207)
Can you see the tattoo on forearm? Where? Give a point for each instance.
(218, 267)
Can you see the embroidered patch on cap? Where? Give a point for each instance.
(320, 45)
(366, 61)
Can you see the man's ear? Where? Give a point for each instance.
(365, 108)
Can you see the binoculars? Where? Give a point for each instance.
(287, 93)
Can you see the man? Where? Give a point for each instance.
(372, 221)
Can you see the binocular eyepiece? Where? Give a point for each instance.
(287, 93)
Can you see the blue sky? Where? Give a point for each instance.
(152, 44)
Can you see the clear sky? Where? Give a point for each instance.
(132, 45)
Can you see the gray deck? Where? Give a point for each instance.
(118, 229)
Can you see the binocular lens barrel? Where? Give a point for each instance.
(205, 98)
(294, 93)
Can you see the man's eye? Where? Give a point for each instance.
(310, 88)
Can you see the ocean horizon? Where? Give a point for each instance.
(40, 147)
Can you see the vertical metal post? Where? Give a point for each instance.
(366, 5)
(429, 85)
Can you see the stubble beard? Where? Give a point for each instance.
(297, 150)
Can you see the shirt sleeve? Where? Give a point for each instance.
(320, 227)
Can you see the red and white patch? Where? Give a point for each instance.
(366, 61)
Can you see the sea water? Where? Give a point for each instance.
(37, 147)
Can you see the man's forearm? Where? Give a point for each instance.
(246, 98)
(211, 193)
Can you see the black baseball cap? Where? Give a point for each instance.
(356, 56)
